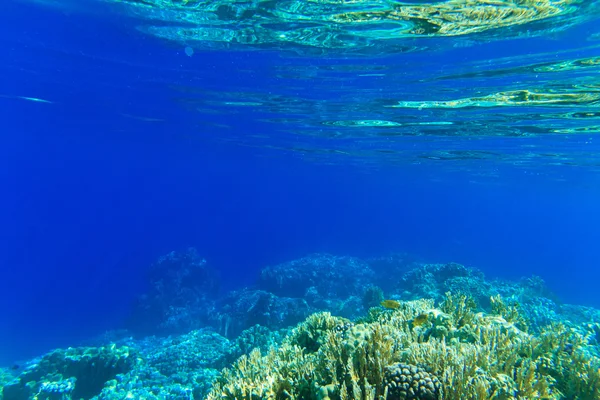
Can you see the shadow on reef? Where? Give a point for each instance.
(329, 327)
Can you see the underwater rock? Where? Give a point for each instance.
(181, 295)
(331, 277)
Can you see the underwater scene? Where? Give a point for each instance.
(300, 199)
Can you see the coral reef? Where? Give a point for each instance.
(433, 280)
(5, 377)
(389, 266)
(372, 297)
(456, 354)
(322, 282)
(243, 309)
(175, 367)
(255, 337)
(182, 290)
(289, 292)
(80, 373)
(323, 274)
(321, 328)
(195, 350)
(537, 305)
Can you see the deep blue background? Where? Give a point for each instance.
(90, 198)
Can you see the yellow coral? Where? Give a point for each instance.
(473, 356)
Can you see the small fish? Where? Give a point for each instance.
(34, 99)
(390, 304)
(420, 319)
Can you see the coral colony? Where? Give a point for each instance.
(329, 328)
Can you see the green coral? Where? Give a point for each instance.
(461, 307)
(312, 333)
(567, 357)
(256, 336)
(510, 312)
(459, 353)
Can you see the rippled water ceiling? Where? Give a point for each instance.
(339, 24)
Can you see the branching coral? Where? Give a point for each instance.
(461, 307)
(312, 333)
(510, 312)
(565, 357)
(453, 354)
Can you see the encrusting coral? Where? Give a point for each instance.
(453, 353)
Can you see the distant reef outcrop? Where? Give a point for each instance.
(328, 327)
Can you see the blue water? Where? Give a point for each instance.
(118, 147)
